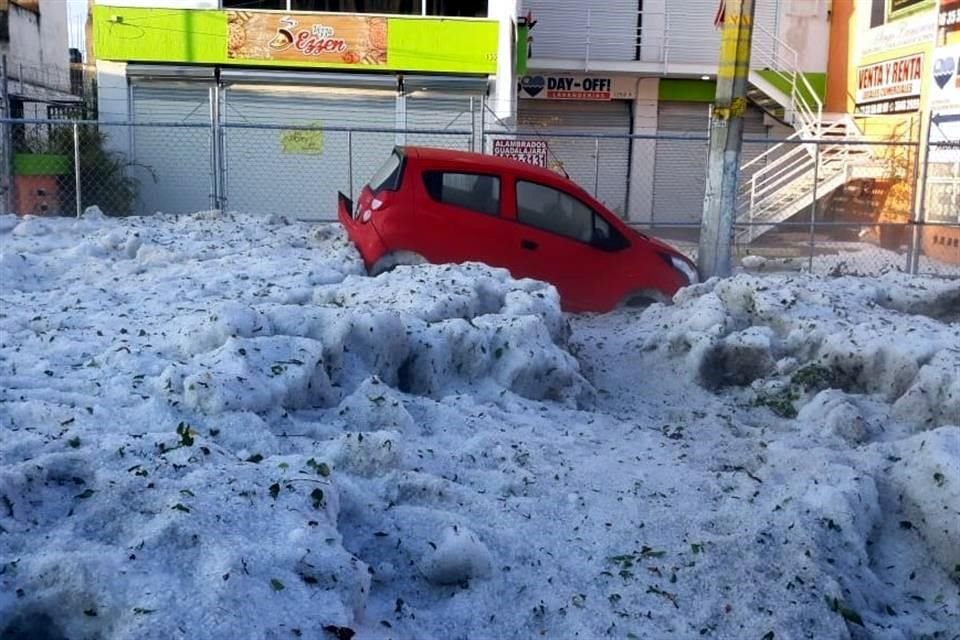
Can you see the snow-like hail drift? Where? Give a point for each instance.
(216, 426)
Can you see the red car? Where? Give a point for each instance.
(441, 206)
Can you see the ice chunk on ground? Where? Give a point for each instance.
(753, 262)
(832, 414)
(927, 475)
(254, 374)
(738, 359)
(460, 556)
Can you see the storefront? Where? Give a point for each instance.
(284, 90)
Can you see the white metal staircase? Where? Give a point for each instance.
(811, 163)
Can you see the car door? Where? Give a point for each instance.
(460, 217)
(565, 242)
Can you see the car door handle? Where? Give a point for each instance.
(529, 245)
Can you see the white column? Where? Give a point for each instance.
(503, 100)
(643, 151)
(113, 104)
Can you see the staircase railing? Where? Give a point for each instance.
(788, 172)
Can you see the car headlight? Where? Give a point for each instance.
(684, 267)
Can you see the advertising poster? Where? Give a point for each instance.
(529, 151)
(292, 37)
(944, 90)
(577, 87)
(944, 81)
(949, 15)
(897, 9)
(890, 86)
(908, 30)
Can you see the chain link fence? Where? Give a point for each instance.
(835, 205)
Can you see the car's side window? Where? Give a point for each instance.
(472, 191)
(553, 210)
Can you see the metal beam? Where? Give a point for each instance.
(726, 140)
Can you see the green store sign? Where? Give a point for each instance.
(312, 40)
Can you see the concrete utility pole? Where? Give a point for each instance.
(726, 139)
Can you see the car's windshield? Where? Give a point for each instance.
(387, 176)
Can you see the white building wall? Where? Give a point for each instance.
(643, 152)
(503, 98)
(113, 103)
(804, 26)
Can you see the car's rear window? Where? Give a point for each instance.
(387, 176)
(473, 191)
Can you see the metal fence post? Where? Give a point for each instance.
(596, 168)
(473, 127)
(813, 209)
(76, 168)
(483, 124)
(916, 241)
(350, 161)
(216, 170)
(214, 155)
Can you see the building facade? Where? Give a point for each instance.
(894, 68)
(34, 40)
(660, 58)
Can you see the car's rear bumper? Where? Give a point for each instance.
(364, 236)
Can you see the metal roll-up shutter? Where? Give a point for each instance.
(578, 155)
(754, 129)
(440, 116)
(443, 104)
(297, 172)
(680, 165)
(171, 164)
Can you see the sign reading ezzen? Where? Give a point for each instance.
(577, 87)
(295, 37)
(890, 86)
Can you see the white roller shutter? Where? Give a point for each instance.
(444, 104)
(267, 173)
(443, 114)
(578, 155)
(172, 165)
(680, 166)
(680, 171)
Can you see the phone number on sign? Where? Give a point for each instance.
(893, 106)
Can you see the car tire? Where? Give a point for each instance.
(394, 259)
(643, 298)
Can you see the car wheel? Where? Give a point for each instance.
(644, 298)
(395, 259)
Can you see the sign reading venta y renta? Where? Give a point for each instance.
(890, 86)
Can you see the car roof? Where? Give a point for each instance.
(472, 159)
